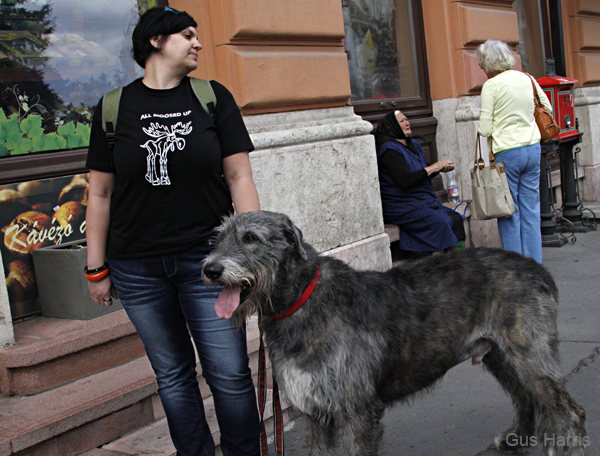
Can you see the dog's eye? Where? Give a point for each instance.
(250, 238)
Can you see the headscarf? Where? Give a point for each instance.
(388, 129)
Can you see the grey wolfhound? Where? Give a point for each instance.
(364, 340)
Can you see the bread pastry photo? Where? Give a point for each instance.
(20, 281)
(77, 190)
(11, 204)
(27, 232)
(71, 213)
(39, 187)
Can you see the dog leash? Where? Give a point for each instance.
(277, 415)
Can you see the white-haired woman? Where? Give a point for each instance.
(507, 107)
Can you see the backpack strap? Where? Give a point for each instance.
(110, 112)
(206, 95)
(111, 100)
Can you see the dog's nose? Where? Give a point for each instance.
(213, 271)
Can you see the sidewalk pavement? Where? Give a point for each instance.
(464, 413)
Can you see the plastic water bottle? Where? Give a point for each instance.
(453, 196)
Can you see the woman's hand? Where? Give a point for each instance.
(447, 165)
(102, 292)
(442, 166)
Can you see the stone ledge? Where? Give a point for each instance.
(369, 254)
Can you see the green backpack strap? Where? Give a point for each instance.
(111, 100)
(110, 111)
(110, 107)
(205, 94)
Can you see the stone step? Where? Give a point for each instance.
(154, 439)
(91, 411)
(51, 352)
(83, 414)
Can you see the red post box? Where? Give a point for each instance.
(559, 90)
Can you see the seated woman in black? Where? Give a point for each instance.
(407, 195)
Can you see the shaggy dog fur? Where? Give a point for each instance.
(365, 340)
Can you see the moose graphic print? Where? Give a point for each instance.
(169, 189)
(164, 140)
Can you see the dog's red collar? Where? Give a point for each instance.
(300, 302)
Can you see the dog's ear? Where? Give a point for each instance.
(294, 234)
(298, 242)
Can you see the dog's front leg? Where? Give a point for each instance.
(363, 433)
(320, 436)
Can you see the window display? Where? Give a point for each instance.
(57, 58)
(380, 47)
(531, 42)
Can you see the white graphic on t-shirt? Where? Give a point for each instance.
(163, 144)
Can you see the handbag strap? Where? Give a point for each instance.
(479, 162)
(536, 97)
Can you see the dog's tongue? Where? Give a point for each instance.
(228, 301)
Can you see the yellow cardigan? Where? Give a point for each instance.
(507, 107)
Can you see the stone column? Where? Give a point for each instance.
(319, 167)
(587, 111)
(457, 125)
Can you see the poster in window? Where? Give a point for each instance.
(33, 215)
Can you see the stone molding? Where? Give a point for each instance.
(369, 254)
(292, 128)
(587, 96)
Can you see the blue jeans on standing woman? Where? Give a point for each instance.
(521, 232)
(164, 296)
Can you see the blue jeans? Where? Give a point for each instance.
(164, 296)
(521, 232)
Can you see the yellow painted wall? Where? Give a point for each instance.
(453, 30)
(274, 56)
(581, 28)
(281, 55)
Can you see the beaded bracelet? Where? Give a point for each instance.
(97, 274)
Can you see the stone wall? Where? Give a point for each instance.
(319, 168)
(587, 111)
(456, 139)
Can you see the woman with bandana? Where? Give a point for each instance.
(407, 195)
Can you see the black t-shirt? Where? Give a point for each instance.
(169, 191)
